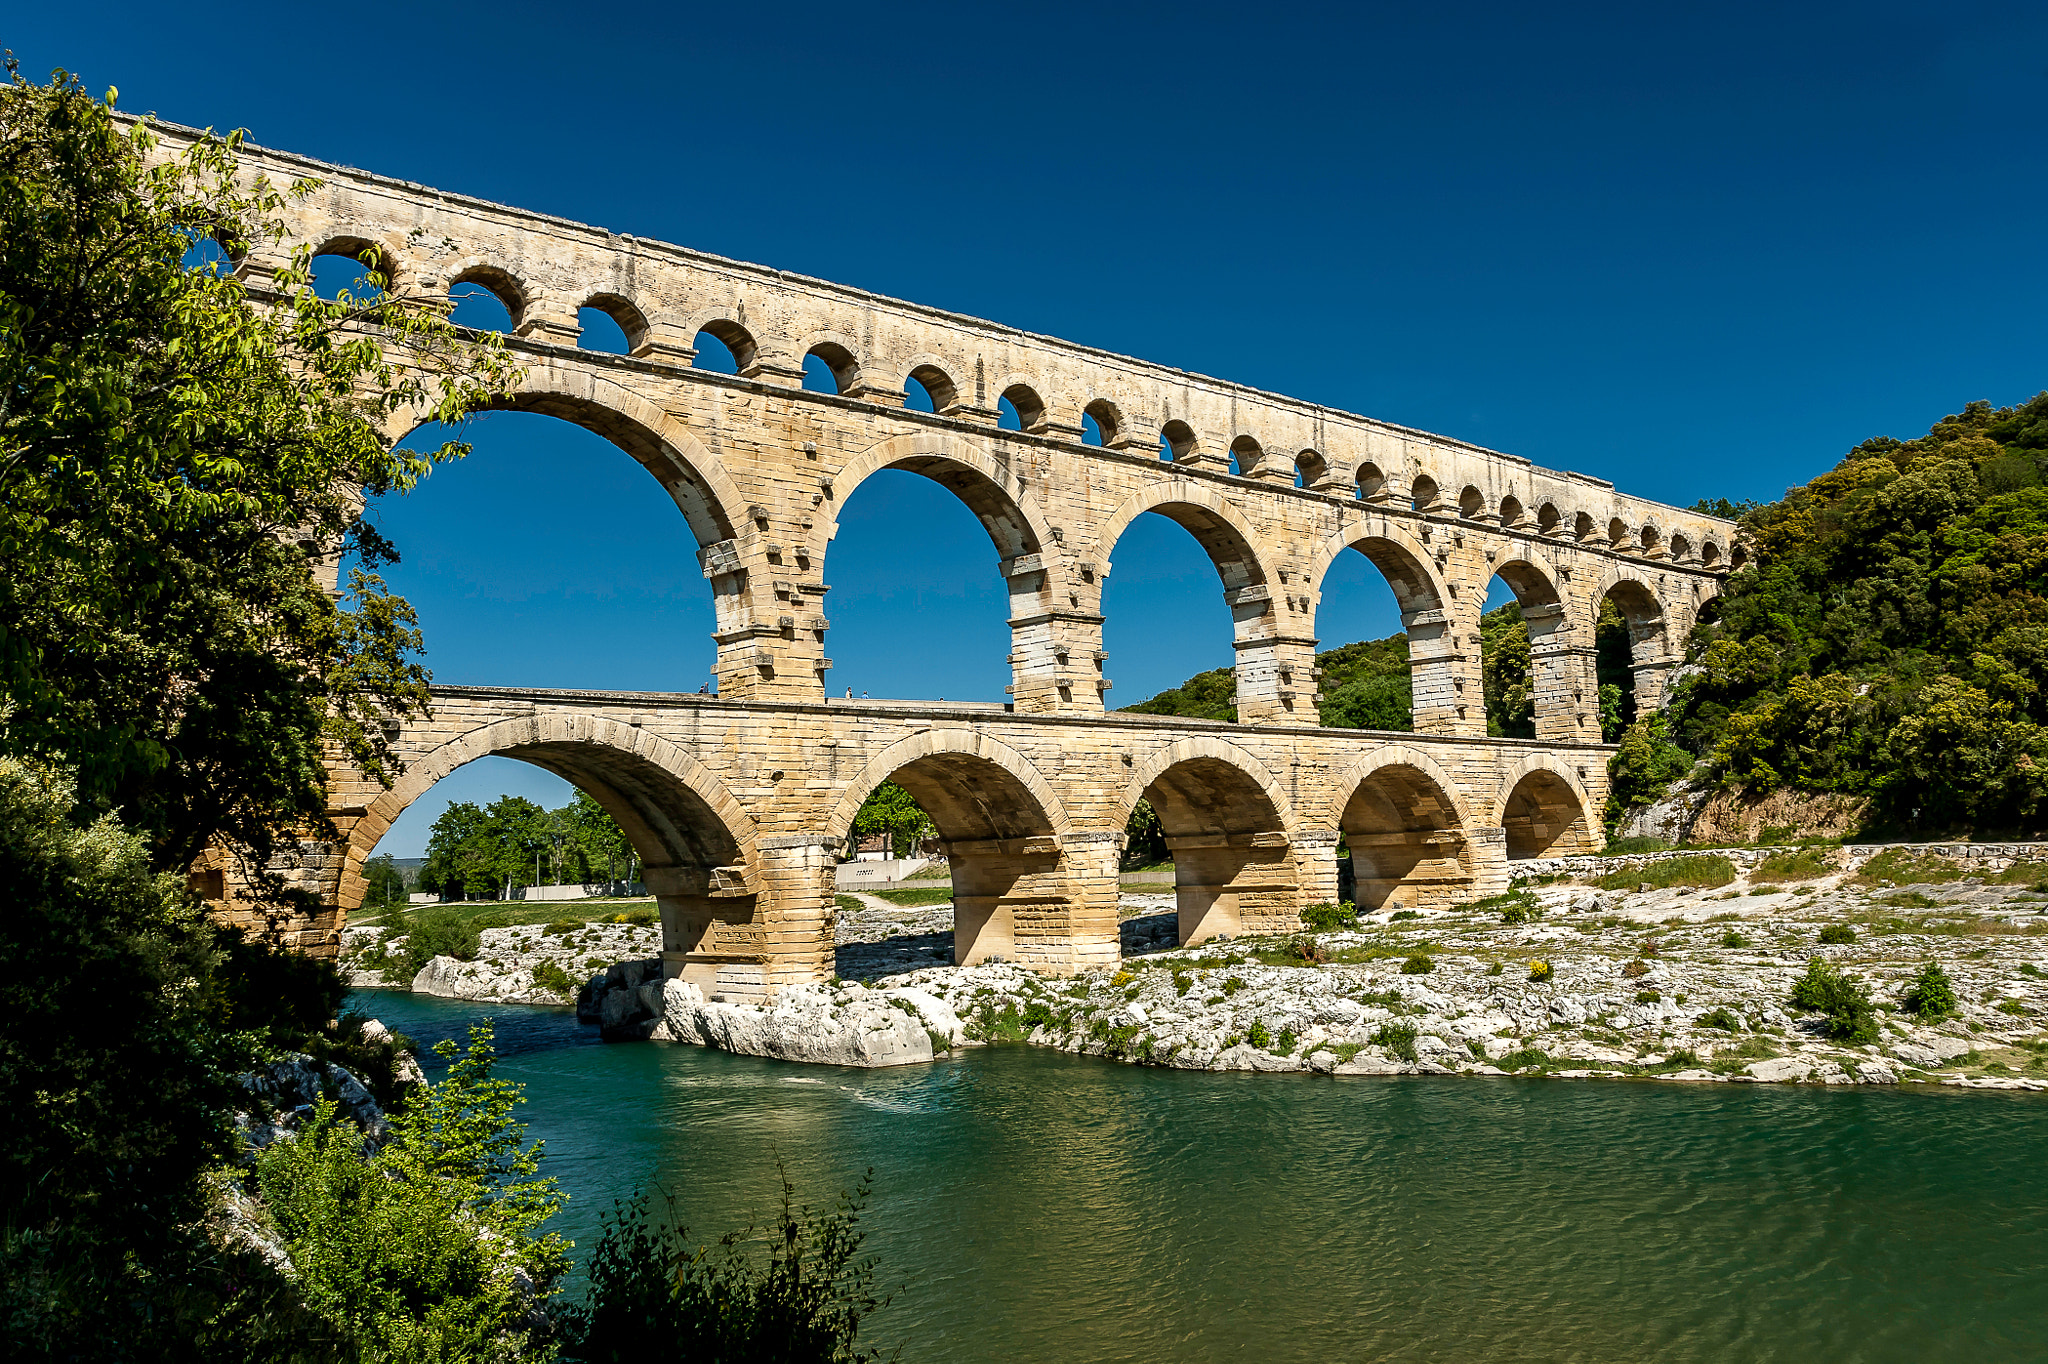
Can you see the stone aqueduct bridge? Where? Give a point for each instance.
(736, 801)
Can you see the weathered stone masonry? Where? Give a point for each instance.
(736, 802)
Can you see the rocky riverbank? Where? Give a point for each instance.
(1594, 969)
(1565, 978)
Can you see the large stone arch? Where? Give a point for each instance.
(985, 483)
(1273, 667)
(1639, 597)
(1544, 808)
(1000, 498)
(676, 812)
(1203, 747)
(1407, 828)
(1229, 826)
(1559, 679)
(1403, 558)
(1232, 543)
(963, 749)
(1003, 826)
(577, 391)
(1392, 546)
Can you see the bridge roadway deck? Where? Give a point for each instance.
(739, 809)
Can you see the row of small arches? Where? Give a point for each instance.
(611, 323)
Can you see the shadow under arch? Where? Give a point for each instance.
(1226, 821)
(1544, 809)
(1002, 826)
(1557, 708)
(1402, 821)
(1641, 607)
(696, 843)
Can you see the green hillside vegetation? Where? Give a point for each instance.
(1890, 639)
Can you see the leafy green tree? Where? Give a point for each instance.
(1144, 836)
(889, 809)
(1643, 768)
(177, 456)
(387, 882)
(115, 1073)
(595, 847)
(475, 851)
(1504, 672)
(1890, 639)
(428, 1250)
(1723, 508)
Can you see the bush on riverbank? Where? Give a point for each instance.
(1841, 999)
(427, 1249)
(1931, 997)
(655, 1294)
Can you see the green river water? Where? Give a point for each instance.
(1030, 1205)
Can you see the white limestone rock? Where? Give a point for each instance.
(816, 1024)
(1781, 1070)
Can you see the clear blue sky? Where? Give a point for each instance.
(1697, 251)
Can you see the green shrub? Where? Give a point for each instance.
(1398, 1039)
(1285, 1043)
(1328, 918)
(550, 976)
(1838, 933)
(1232, 985)
(425, 1249)
(655, 1295)
(1648, 997)
(1733, 939)
(431, 933)
(1258, 1036)
(1400, 914)
(563, 927)
(1182, 982)
(1515, 907)
(1693, 869)
(1523, 1059)
(1418, 965)
(1722, 1018)
(1841, 998)
(2028, 968)
(644, 917)
(1496, 969)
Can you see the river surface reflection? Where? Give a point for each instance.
(1038, 1206)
